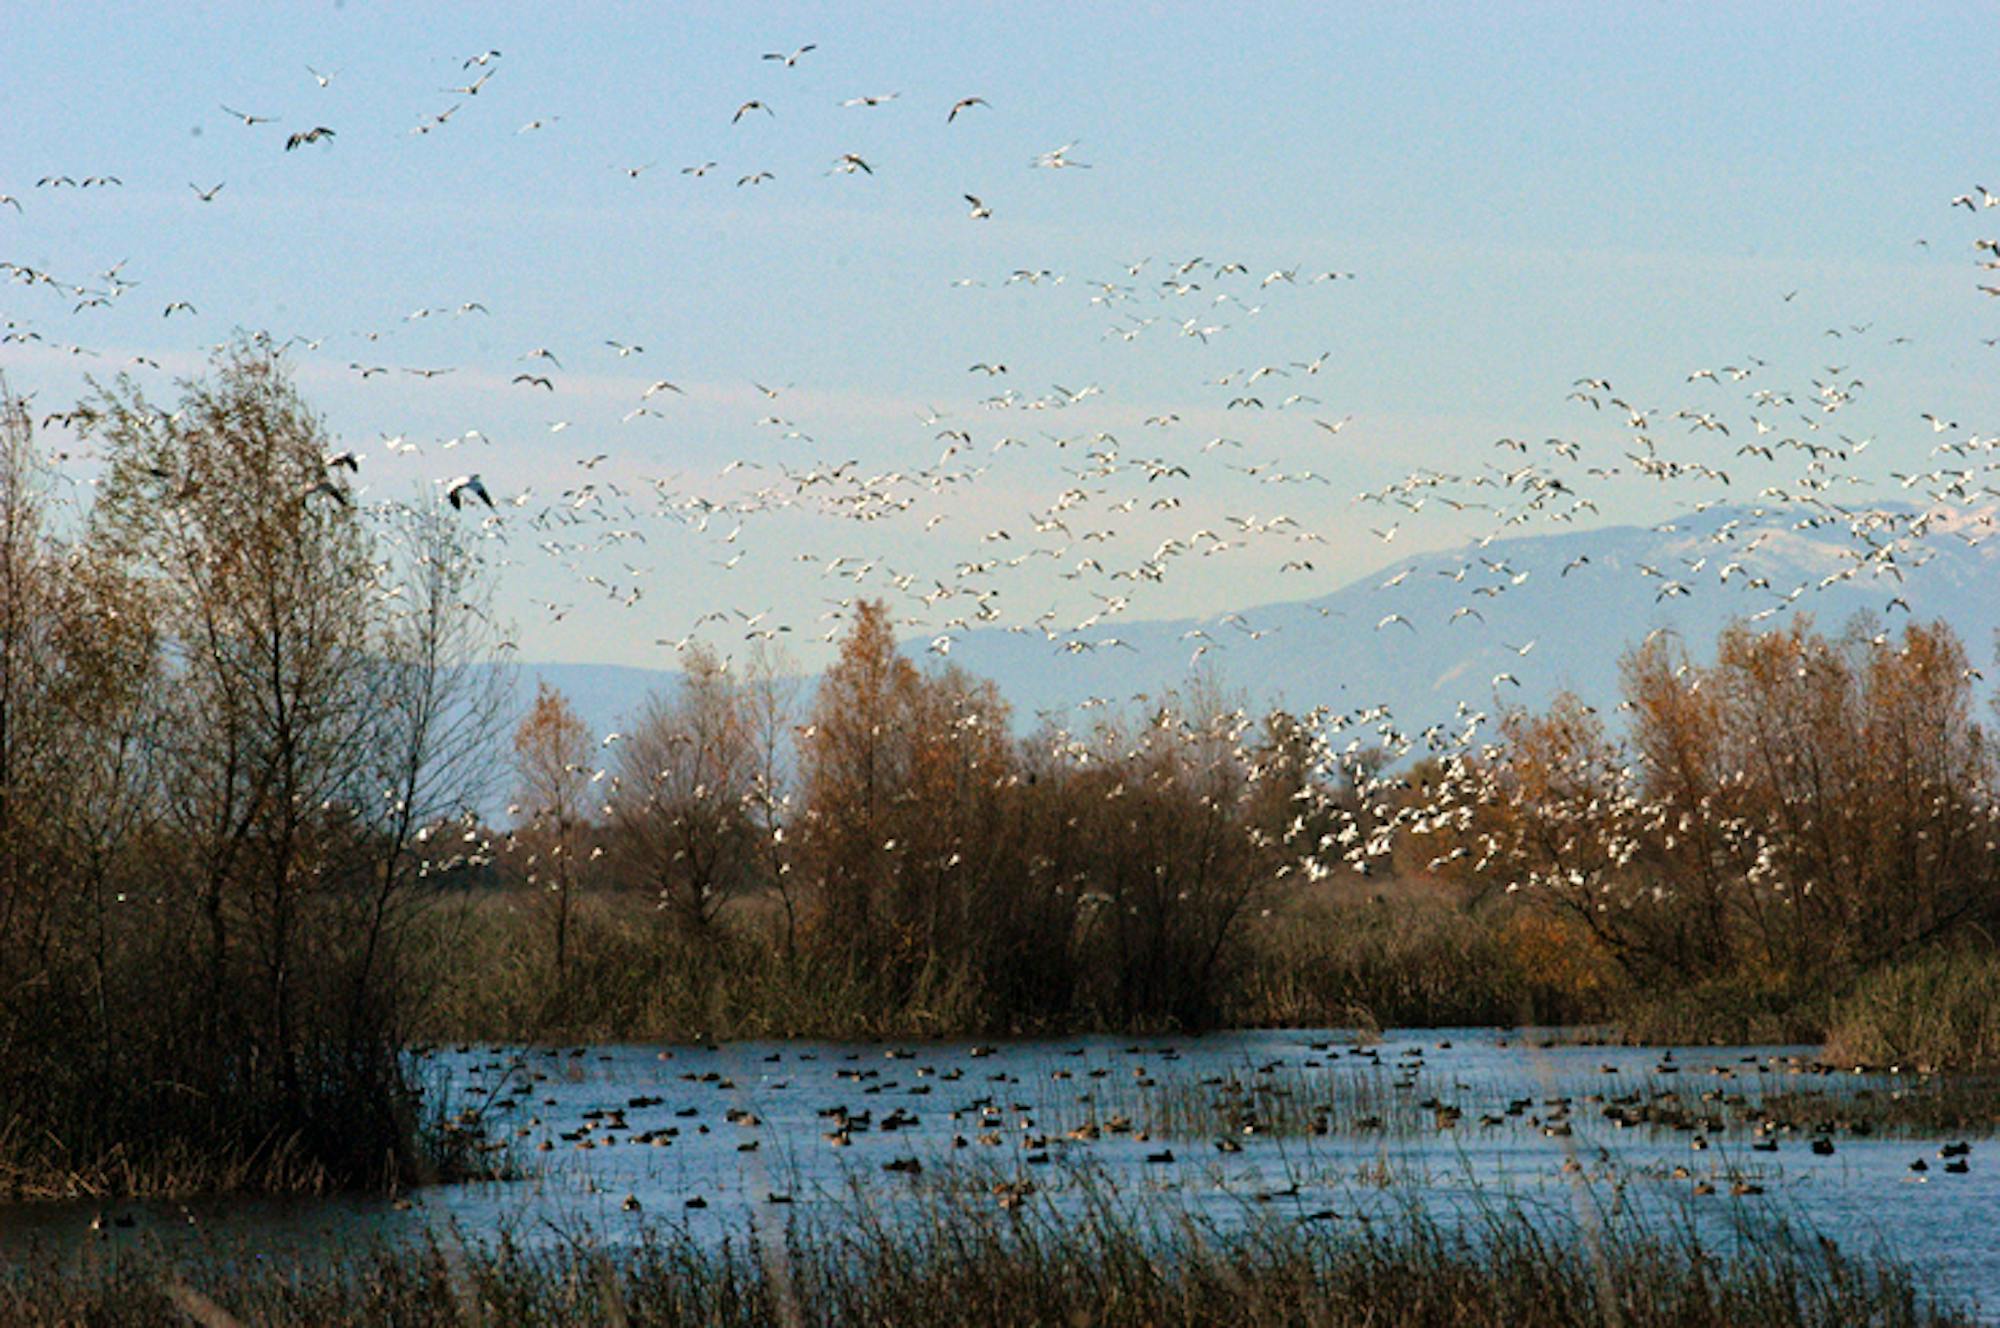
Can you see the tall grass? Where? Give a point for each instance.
(1410, 962)
(1100, 1260)
(1939, 1010)
(632, 974)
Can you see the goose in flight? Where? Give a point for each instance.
(965, 104)
(328, 487)
(457, 490)
(1057, 159)
(471, 89)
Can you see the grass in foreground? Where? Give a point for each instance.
(1019, 1262)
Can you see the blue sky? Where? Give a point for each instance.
(1525, 195)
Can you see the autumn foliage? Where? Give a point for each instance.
(1801, 808)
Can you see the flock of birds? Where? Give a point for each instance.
(1130, 497)
(1309, 1126)
(1223, 1118)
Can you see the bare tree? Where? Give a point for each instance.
(686, 791)
(552, 753)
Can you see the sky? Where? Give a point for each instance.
(1514, 198)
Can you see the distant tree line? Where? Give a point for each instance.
(900, 835)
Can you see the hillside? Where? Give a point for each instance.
(1552, 612)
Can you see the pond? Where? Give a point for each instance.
(1309, 1125)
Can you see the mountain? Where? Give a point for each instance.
(1552, 611)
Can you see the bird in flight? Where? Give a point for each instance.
(534, 380)
(322, 79)
(752, 105)
(849, 162)
(303, 137)
(875, 100)
(965, 104)
(980, 212)
(250, 119)
(793, 58)
(205, 195)
(472, 89)
(456, 492)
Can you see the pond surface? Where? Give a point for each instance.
(1236, 1127)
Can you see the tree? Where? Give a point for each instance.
(687, 792)
(552, 753)
(1799, 808)
(854, 760)
(262, 696)
(268, 603)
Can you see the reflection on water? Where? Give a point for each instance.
(1236, 1126)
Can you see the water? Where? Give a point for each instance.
(746, 1137)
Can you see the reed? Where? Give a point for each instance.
(1099, 1258)
(1939, 1010)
